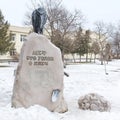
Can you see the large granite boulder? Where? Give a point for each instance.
(94, 102)
(39, 75)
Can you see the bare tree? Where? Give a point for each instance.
(114, 34)
(66, 25)
(116, 43)
(95, 49)
(101, 37)
(107, 51)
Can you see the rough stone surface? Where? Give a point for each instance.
(39, 72)
(94, 102)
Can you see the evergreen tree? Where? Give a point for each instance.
(80, 43)
(87, 39)
(5, 41)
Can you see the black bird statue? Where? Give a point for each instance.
(39, 18)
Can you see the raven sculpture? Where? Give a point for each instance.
(39, 18)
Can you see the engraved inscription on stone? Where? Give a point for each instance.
(39, 57)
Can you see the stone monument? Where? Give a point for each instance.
(39, 75)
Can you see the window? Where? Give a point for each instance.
(13, 37)
(12, 52)
(22, 38)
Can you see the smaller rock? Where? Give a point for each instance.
(94, 102)
(94, 107)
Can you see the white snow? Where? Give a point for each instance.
(83, 79)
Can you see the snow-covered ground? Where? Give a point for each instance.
(83, 79)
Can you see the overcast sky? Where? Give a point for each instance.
(94, 10)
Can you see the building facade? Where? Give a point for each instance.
(18, 35)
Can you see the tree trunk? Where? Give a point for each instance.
(94, 57)
(80, 57)
(63, 55)
(90, 57)
(62, 49)
(87, 57)
(102, 59)
(73, 58)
